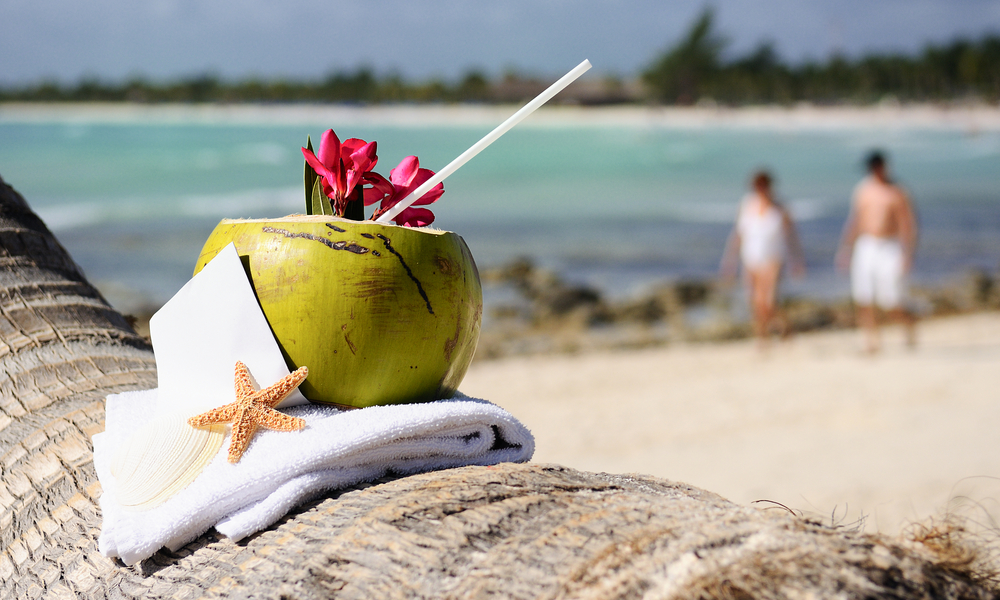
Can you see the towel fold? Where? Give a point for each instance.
(280, 470)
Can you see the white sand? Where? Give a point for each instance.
(814, 425)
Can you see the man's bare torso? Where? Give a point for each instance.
(879, 208)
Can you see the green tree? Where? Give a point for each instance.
(759, 76)
(682, 73)
(474, 87)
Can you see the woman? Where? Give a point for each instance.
(763, 237)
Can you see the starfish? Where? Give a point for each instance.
(253, 408)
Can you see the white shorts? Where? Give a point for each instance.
(877, 272)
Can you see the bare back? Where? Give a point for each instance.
(881, 209)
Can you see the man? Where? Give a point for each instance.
(878, 242)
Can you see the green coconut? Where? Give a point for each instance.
(380, 314)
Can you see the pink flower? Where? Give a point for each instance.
(342, 167)
(406, 177)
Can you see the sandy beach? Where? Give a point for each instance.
(814, 424)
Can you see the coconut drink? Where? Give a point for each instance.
(381, 314)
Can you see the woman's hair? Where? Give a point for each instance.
(761, 179)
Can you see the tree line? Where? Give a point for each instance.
(361, 85)
(694, 69)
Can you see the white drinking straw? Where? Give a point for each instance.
(491, 137)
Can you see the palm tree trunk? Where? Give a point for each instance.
(517, 531)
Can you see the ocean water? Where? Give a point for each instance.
(620, 207)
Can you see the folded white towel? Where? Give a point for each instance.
(280, 470)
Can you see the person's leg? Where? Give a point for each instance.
(864, 273)
(769, 293)
(891, 291)
(909, 322)
(754, 295)
(869, 322)
(764, 283)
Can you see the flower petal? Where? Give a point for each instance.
(415, 217)
(358, 162)
(435, 192)
(329, 150)
(403, 174)
(328, 190)
(330, 166)
(408, 176)
(315, 163)
(352, 145)
(404, 179)
(380, 188)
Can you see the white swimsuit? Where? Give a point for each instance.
(762, 239)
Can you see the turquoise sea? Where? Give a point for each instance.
(620, 207)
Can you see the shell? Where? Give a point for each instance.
(161, 458)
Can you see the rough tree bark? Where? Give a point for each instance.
(518, 531)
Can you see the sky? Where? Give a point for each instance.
(112, 40)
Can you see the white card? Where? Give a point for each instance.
(212, 322)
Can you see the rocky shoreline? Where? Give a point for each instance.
(551, 316)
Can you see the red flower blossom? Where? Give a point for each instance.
(405, 178)
(343, 166)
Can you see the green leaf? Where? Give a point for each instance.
(319, 204)
(309, 179)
